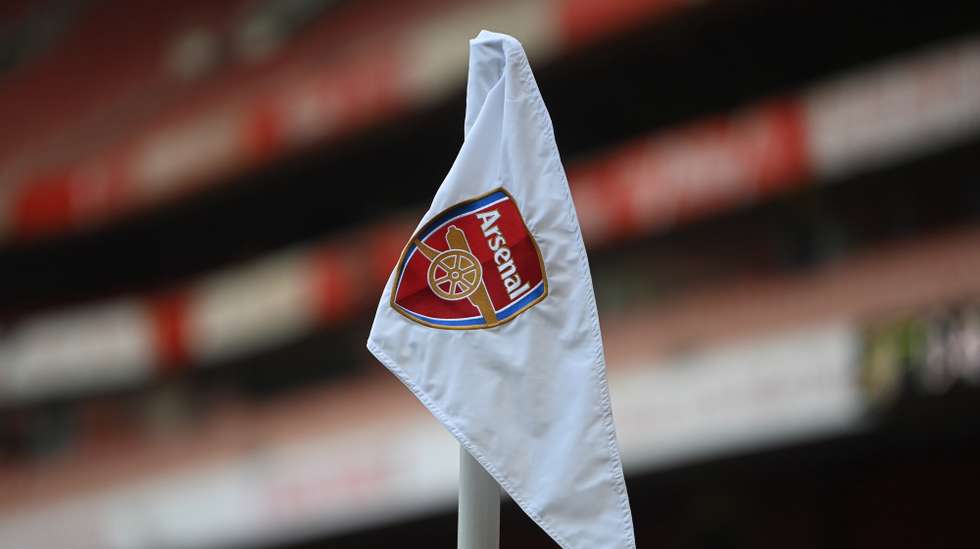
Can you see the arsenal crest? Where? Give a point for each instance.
(473, 266)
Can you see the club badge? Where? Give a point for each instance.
(475, 265)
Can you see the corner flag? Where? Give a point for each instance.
(489, 317)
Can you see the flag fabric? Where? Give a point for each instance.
(489, 317)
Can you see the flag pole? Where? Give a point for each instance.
(479, 506)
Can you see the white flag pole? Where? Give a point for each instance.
(479, 506)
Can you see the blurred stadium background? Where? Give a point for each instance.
(201, 201)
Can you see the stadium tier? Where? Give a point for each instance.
(194, 118)
(779, 360)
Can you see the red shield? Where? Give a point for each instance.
(473, 266)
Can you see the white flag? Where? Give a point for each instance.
(490, 318)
